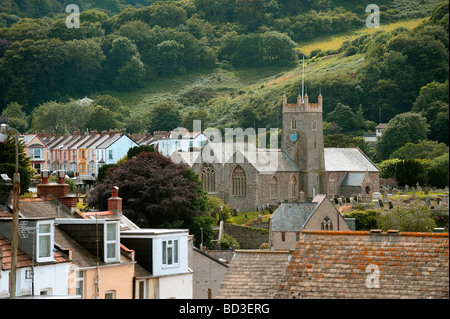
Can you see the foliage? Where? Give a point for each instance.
(165, 117)
(228, 241)
(136, 150)
(441, 219)
(414, 218)
(155, 191)
(16, 117)
(364, 219)
(437, 177)
(421, 149)
(102, 172)
(403, 128)
(343, 116)
(410, 172)
(388, 167)
(217, 209)
(67, 180)
(206, 223)
(25, 174)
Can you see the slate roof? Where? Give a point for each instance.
(331, 264)
(254, 274)
(38, 207)
(291, 216)
(347, 160)
(353, 179)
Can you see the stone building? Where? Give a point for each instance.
(250, 178)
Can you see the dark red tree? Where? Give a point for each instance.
(155, 191)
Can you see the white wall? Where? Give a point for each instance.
(178, 287)
(182, 267)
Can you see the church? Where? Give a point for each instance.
(238, 173)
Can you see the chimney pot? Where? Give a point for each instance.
(115, 202)
(44, 176)
(61, 175)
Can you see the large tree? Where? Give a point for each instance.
(156, 192)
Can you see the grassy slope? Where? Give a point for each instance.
(231, 86)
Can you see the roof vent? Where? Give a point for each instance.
(376, 231)
(393, 231)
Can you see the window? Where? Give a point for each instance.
(44, 241)
(110, 154)
(283, 236)
(332, 184)
(83, 155)
(109, 294)
(297, 236)
(238, 182)
(80, 283)
(37, 153)
(314, 125)
(111, 245)
(208, 178)
(293, 187)
(293, 124)
(326, 224)
(274, 188)
(141, 290)
(170, 252)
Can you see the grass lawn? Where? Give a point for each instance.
(333, 42)
(240, 219)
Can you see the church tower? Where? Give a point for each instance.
(302, 141)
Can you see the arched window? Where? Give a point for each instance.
(332, 184)
(238, 182)
(274, 188)
(293, 187)
(208, 177)
(326, 224)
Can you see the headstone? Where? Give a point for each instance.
(418, 187)
(427, 200)
(376, 195)
(391, 205)
(302, 196)
(376, 204)
(347, 199)
(336, 200)
(385, 195)
(380, 202)
(446, 189)
(445, 200)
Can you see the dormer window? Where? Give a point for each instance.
(44, 241)
(111, 242)
(326, 224)
(170, 252)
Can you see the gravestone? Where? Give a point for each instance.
(380, 202)
(428, 200)
(391, 205)
(376, 204)
(385, 195)
(418, 187)
(376, 195)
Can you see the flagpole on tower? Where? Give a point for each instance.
(303, 79)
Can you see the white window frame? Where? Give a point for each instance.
(114, 241)
(38, 240)
(110, 154)
(80, 283)
(111, 293)
(173, 245)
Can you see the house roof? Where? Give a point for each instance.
(347, 160)
(332, 264)
(254, 274)
(381, 125)
(39, 207)
(291, 216)
(112, 138)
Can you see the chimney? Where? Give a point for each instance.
(44, 176)
(61, 175)
(6, 187)
(77, 133)
(94, 132)
(115, 202)
(104, 133)
(61, 190)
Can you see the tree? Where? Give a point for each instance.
(343, 116)
(403, 128)
(136, 150)
(201, 228)
(131, 75)
(155, 191)
(387, 167)
(16, 117)
(101, 119)
(422, 149)
(410, 172)
(414, 218)
(165, 117)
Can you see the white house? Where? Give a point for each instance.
(111, 150)
(180, 140)
(42, 268)
(163, 253)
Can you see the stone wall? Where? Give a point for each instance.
(248, 238)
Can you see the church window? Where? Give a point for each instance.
(238, 182)
(326, 224)
(293, 124)
(283, 236)
(293, 187)
(274, 188)
(332, 184)
(208, 178)
(314, 125)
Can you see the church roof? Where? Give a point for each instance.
(347, 160)
(353, 179)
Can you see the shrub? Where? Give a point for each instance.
(227, 242)
(364, 220)
(414, 218)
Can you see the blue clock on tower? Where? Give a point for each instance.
(293, 136)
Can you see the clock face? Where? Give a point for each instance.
(293, 136)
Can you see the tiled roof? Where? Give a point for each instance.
(38, 207)
(22, 259)
(254, 274)
(292, 216)
(339, 264)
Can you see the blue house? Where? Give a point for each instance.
(113, 149)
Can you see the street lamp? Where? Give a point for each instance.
(4, 131)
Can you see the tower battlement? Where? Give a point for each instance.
(302, 106)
